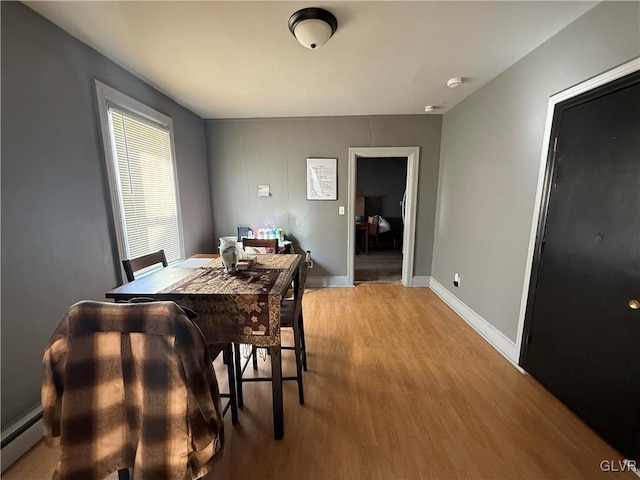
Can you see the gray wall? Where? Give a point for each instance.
(57, 235)
(246, 153)
(491, 147)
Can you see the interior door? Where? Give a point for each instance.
(582, 331)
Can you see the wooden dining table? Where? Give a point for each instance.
(242, 307)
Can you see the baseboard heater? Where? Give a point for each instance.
(20, 437)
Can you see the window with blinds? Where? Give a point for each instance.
(142, 176)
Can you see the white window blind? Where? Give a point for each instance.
(146, 186)
(140, 160)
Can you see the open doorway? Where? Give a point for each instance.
(402, 240)
(379, 214)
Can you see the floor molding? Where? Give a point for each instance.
(336, 281)
(421, 281)
(491, 334)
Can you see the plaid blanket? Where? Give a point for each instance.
(130, 385)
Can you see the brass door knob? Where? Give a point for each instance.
(634, 304)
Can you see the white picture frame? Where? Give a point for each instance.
(322, 178)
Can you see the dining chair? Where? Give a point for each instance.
(135, 264)
(230, 396)
(265, 245)
(130, 386)
(290, 314)
(290, 317)
(214, 351)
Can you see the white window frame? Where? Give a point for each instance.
(109, 97)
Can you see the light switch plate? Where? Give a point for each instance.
(341, 210)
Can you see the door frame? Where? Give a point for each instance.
(542, 187)
(413, 160)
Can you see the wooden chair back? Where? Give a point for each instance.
(302, 279)
(301, 283)
(270, 245)
(134, 264)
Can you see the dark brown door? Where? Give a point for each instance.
(582, 334)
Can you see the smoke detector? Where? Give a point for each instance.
(454, 82)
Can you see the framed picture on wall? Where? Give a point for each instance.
(322, 178)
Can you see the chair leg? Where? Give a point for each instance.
(303, 343)
(236, 349)
(227, 355)
(254, 353)
(297, 343)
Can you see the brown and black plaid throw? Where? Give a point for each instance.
(130, 385)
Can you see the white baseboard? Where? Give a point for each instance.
(336, 281)
(420, 281)
(21, 445)
(491, 334)
(327, 281)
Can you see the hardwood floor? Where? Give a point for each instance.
(398, 387)
(378, 266)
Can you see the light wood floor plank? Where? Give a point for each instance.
(398, 387)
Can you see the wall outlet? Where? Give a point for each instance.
(456, 279)
(341, 210)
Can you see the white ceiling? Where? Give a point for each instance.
(237, 59)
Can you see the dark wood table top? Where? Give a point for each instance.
(239, 308)
(150, 284)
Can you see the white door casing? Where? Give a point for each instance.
(413, 157)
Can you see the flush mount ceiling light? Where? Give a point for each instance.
(312, 26)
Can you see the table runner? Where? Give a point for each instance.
(214, 281)
(240, 307)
